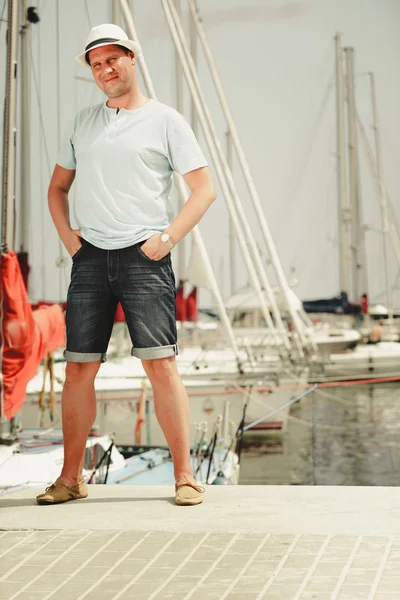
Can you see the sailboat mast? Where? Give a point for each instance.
(116, 12)
(354, 185)
(344, 279)
(193, 52)
(232, 262)
(25, 170)
(382, 199)
(179, 107)
(8, 192)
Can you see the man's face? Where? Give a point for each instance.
(112, 70)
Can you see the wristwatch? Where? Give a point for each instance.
(166, 239)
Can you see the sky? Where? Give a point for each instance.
(275, 60)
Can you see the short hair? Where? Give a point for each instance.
(126, 50)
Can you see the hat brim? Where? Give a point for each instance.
(129, 44)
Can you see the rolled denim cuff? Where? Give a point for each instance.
(155, 352)
(84, 357)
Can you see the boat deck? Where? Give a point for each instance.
(244, 542)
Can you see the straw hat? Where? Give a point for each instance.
(104, 35)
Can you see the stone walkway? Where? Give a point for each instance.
(238, 545)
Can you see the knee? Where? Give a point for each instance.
(81, 372)
(161, 371)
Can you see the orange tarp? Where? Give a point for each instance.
(26, 336)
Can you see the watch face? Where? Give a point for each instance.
(165, 237)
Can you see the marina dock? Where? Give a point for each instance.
(243, 543)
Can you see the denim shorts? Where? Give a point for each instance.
(146, 289)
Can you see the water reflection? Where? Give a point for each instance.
(356, 441)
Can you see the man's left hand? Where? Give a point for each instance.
(154, 248)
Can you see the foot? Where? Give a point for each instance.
(59, 492)
(187, 492)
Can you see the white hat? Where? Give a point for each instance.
(104, 35)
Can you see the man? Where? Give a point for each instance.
(122, 154)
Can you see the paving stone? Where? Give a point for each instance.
(147, 551)
(245, 546)
(281, 592)
(355, 576)
(29, 595)
(157, 575)
(130, 565)
(208, 553)
(65, 566)
(181, 584)
(291, 576)
(196, 567)
(23, 574)
(322, 584)
(258, 536)
(171, 559)
(242, 595)
(185, 542)
(300, 562)
(44, 583)
(209, 596)
(105, 559)
(367, 562)
(355, 591)
(318, 596)
(329, 568)
(389, 584)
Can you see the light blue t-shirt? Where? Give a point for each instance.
(124, 163)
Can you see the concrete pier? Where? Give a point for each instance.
(243, 543)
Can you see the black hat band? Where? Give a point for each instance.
(102, 41)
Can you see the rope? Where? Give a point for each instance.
(88, 15)
(42, 393)
(48, 368)
(107, 454)
(2, 13)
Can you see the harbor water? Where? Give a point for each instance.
(346, 435)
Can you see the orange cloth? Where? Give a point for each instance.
(26, 336)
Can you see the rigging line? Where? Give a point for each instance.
(88, 15)
(41, 181)
(2, 13)
(94, 88)
(41, 121)
(58, 95)
(312, 223)
(312, 137)
(44, 7)
(321, 73)
(328, 55)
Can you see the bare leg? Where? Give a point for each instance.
(78, 406)
(172, 410)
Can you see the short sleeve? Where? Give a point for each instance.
(66, 154)
(185, 154)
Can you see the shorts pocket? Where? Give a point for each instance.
(163, 259)
(79, 252)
